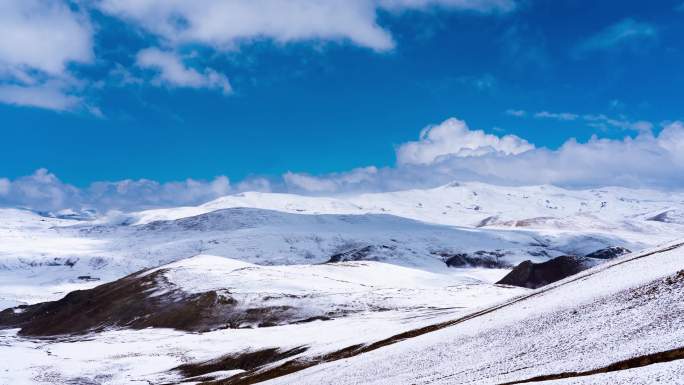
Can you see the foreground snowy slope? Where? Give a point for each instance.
(362, 301)
(622, 318)
(626, 309)
(205, 293)
(378, 288)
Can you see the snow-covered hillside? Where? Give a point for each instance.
(472, 205)
(417, 327)
(42, 257)
(248, 283)
(620, 322)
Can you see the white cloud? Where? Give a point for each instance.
(174, 73)
(517, 113)
(563, 116)
(647, 160)
(310, 183)
(618, 35)
(224, 24)
(468, 5)
(4, 186)
(254, 184)
(144, 193)
(48, 95)
(453, 138)
(599, 121)
(40, 38)
(604, 122)
(42, 35)
(44, 191)
(330, 183)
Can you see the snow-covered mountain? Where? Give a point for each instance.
(619, 322)
(500, 226)
(263, 279)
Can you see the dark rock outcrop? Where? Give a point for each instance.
(534, 275)
(140, 301)
(366, 253)
(359, 254)
(481, 258)
(609, 253)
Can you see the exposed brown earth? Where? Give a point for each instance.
(244, 361)
(636, 362)
(140, 301)
(533, 275)
(259, 374)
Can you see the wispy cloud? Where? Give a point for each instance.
(619, 35)
(516, 113)
(604, 122)
(50, 95)
(173, 72)
(600, 121)
(563, 116)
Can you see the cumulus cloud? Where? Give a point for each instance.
(330, 183)
(172, 71)
(44, 191)
(41, 38)
(41, 191)
(618, 35)
(453, 138)
(646, 160)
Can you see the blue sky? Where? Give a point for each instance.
(150, 90)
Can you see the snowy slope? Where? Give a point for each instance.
(106, 252)
(366, 301)
(627, 308)
(42, 258)
(471, 204)
(389, 277)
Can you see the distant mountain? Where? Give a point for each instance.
(259, 286)
(457, 225)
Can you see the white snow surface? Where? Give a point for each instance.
(609, 313)
(333, 289)
(42, 258)
(259, 246)
(380, 299)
